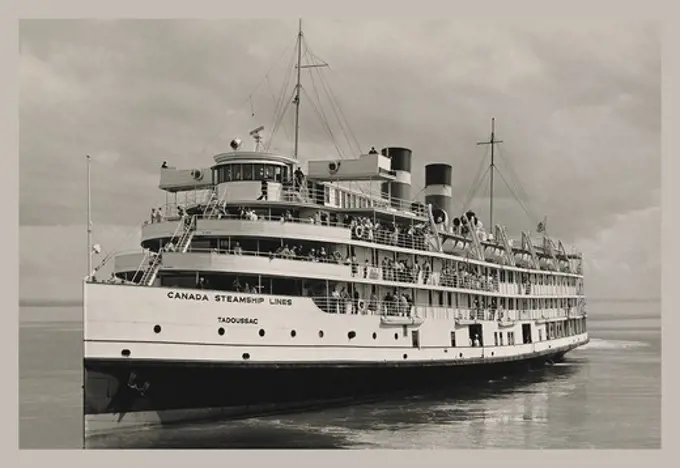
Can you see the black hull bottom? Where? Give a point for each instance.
(178, 391)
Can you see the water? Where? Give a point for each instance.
(605, 395)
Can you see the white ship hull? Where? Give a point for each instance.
(157, 355)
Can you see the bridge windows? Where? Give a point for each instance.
(237, 172)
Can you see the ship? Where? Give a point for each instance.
(262, 285)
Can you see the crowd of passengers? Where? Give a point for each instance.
(403, 271)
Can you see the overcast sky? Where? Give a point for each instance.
(577, 105)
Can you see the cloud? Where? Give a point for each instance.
(577, 106)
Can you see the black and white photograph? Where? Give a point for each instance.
(315, 233)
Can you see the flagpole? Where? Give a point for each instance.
(89, 222)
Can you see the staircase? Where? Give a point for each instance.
(182, 235)
(212, 205)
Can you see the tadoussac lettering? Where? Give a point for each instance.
(238, 320)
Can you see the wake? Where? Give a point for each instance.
(600, 344)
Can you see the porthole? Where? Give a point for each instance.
(320, 333)
(351, 335)
(405, 356)
(375, 335)
(246, 356)
(261, 332)
(157, 329)
(220, 331)
(125, 353)
(446, 350)
(396, 336)
(492, 353)
(293, 333)
(460, 355)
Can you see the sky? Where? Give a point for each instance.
(577, 105)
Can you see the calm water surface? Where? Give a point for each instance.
(605, 395)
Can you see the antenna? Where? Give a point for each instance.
(257, 137)
(492, 141)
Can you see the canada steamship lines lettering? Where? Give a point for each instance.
(229, 298)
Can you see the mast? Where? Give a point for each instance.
(297, 89)
(492, 141)
(89, 222)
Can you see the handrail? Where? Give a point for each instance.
(411, 275)
(383, 234)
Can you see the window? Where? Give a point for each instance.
(453, 339)
(247, 172)
(237, 175)
(495, 338)
(258, 171)
(269, 171)
(277, 174)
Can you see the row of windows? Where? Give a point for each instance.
(247, 172)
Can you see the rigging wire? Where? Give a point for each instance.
(282, 105)
(474, 186)
(521, 204)
(526, 199)
(326, 127)
(271, 92)
(240, 107)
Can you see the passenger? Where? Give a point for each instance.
(153, 215)
(299, 178)
(264, 189)
(372, 150)
(476, 342)
(404, 305)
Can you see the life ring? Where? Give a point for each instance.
(359, 231)
(337, 255)
(362, 305)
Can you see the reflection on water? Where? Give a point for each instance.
(463, 415)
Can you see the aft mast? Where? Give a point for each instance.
(492, 141)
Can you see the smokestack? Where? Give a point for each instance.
(438, 190)
(399, 190)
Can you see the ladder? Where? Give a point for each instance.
(187, 235)
(503, 236)
(183, 234)
(212, 205)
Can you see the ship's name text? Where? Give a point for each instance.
(200, 297)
